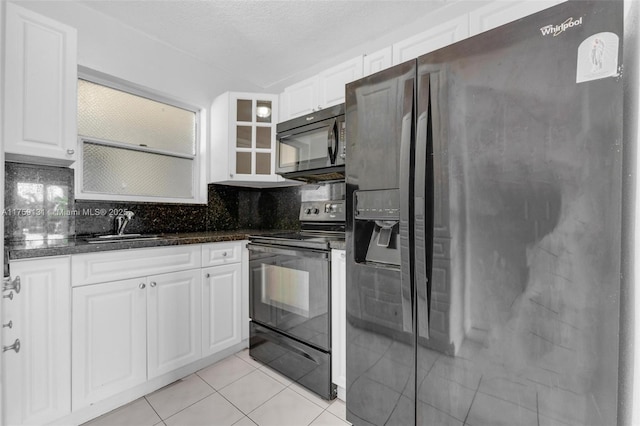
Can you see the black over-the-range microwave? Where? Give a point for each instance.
(312, 148)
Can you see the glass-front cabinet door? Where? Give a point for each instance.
(254, 135)
(244, 127)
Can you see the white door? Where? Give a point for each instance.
(221, 307)
(332, 81)
(38, 375)
(301, 98)
(40, 87)
(109, 348)
(173, 321)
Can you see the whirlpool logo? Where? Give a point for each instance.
(556, 30)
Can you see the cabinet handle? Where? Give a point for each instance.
(9, 324)
(153, 284)
(224, 254)
(14, 347)
(9, 284)
(142, 286)
(208, 275)
(71, 151)
(10, 296)
(342, 256)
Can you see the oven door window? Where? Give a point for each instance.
(306, 150)
(291, 294)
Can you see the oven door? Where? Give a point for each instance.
(310, 147)
(289, 292)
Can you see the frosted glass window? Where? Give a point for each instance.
(109, 114)
(121, 171)
(135, 146)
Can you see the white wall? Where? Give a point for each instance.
(108, 46)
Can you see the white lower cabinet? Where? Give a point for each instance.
(173, 321)
(100, 327)
(221, 307)
(109, 352)
(36, 375)
(127, 332)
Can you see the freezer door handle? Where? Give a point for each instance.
(406, 195)
(423, 227)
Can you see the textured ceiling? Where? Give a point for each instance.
(264, 42)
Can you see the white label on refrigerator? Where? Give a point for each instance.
(598, 57)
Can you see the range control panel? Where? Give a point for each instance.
(323, 211)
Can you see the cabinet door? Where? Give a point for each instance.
(430, 40)
(302, 98)
(109, 348)
(333, 80)
(40, 88)
(377, 61)
(221, 307)
(499, 13)
(338, 320)
(174, 321)
(252, 136)
(37, 377)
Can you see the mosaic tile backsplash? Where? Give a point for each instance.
(39, 204)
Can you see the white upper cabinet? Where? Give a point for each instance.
(321, 91)
(432, 39)
(300, 99)
(377, 61)
(40, 88)
(499, 13)
(332, 81)
(243, 138)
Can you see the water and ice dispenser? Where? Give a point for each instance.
(377, 226)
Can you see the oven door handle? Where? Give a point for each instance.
(288, 251)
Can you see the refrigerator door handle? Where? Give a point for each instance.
(423, 228)
(406, 195)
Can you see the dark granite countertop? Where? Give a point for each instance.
(61, 247)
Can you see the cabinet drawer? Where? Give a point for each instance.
(221, 253)
(92, 268)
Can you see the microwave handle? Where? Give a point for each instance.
(333, 139)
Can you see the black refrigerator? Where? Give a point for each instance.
(484, 190)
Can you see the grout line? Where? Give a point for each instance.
(154, 410)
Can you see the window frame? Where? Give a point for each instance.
(199, 185)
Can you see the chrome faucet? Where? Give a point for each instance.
(122, 220)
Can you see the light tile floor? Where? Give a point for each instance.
(235, 391)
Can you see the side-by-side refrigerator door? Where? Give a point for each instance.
(380, 315)
(518, 187)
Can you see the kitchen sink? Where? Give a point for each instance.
(120, 238)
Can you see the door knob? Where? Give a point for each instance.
(14, 347)
(9, 284)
